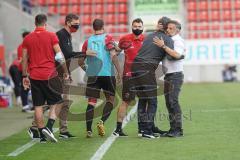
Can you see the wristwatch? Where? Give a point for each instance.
(164, 47)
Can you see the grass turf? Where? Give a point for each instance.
(211, 120)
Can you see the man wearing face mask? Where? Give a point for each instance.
(65, 41)
(136, 40)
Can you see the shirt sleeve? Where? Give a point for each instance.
(84, 47)
(54, 39)
(109, 41)
(25, 43)
(179, 47)
(19, 52)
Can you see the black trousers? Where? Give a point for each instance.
(172, 87)
(16, 77)
(145, 86)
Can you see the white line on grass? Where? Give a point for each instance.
(26, 146)
(107, 144)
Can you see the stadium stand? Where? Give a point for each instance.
(212, 18)
(114, 12)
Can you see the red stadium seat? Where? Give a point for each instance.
(226, 4)
(237, 4)
(192, 26)
(74, 1)
(99, 1)
(192, 6)
(124, 1)
(87, 1)
(62, 20)
(215, 5)
(87, 9)
(237, 25)
(111, 29)
(110, 8)
(110, 19)
(52, 2)
(215, 35)
(123, 18)
(203, 5)
(227, 25)
(192, 16)
(203, 26)
(215, 16)
(63, 9)
(76, 9)
(52, 10)
(215, 26)
(110, 1)
(204, 35)
(123, 8)
(237, 14)
(88, 30)
(63, 2)
(123, 29)
(228, 34)
(192, 35)
(40, 2)
(98, 8)
(86, 20)
(203, 16)
(227, 15)
(237, 35)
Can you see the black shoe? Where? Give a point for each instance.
(49, 135)
(66, 135)
(156, 130)
(43, 140)
(119, 133)
(33, 133)
(174, 134)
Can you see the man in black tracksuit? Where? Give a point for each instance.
(65, 41)
(143, 68)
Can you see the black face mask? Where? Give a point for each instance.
(74, 27)
(137, 32)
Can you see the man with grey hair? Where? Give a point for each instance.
(173, 79)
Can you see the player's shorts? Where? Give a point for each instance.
(128, 93)
(96, 83)
(46, 91)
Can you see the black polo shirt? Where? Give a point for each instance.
(65, 42)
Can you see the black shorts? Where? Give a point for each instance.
(46, 91)
(128, 93)
(96, 83)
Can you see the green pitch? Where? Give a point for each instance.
(211, 131)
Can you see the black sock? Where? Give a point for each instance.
(107, 111)
(119, 126)
(40, 131)
(89, 116)
(50, 124)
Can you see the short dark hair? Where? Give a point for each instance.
(164, 21)
(177, 24)
(98, 24)
(137, 20)
(71, 17)
(24, 34)
(40, 19)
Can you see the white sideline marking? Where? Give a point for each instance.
(26, 146)
(107, 144)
